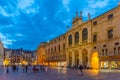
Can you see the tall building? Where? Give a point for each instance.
(1, 53)
(41, 53)
(94, 43)
(19, 56)
(16, 57)
(28, 56)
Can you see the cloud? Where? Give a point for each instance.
(98, 4)
(19, 34)
(5, 20)
(6, 41)
(23, 4)
(3, 12)
(95, 8)
(24, 22)
(66, 4)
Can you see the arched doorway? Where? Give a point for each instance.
(95, 60)
(70, 58)
(76, 58)
(85, 58)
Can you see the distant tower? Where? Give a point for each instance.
(76, 14)
(80, 14)
(89, 17)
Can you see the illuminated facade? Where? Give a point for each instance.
(1, 53)
(28, 57)
(41, 53)
(94, 43)
(19, 56)
(53, 53)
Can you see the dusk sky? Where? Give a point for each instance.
(26, 23)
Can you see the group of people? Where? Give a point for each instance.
(26, 68)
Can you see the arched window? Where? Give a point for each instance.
(70, 40)
(76, 37)
(84, 34)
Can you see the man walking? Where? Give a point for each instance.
(81, 69)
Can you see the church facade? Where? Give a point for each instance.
(94, 43)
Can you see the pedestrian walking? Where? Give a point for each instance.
(81, 69)
(46, 68)
(26, 68)
(23, 67)
(7, 70)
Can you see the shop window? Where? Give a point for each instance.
(110, 34)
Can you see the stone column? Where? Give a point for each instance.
(80, 37)
(73, 59)
(67, 58)
(80, 57)
(73, 40)
(89, 58)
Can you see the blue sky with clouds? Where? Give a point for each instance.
(26, 23)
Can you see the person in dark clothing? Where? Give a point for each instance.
(81, 69)
(26, 68)
(7, 70)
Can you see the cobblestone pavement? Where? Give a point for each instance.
(60, 74)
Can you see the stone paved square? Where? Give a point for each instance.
(60, 74)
